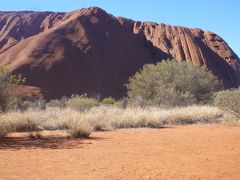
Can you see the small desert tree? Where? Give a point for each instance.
(173, 83)
(8, 83)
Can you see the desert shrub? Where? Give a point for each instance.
(173, 83)
(13, 103)
(22, 105)
(108, 101)
(228, 100)
(15, 121)
(5, 128)
(78, 129)
(139, 101)
(21, 121)
(40, 104)
(18, 104)
(8, 83)
(57, 103)
(81, 103)
(25, 125)
(122, 103)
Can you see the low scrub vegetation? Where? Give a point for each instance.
(82, 102)
(62, 103)
(229, 100)
(108, 101)
(5, 128)
(114, 118)
(80, 124)
(78, 129)
(8, 83)
(160, 95)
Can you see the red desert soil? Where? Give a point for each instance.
(188, 152)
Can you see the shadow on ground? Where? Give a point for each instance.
(18, 143)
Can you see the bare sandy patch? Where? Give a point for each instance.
(179, 152)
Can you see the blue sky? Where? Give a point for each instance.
(219, 16)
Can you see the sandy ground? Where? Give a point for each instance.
(187, 152)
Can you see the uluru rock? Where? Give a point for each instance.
(90, 51)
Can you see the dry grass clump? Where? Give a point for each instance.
(50, 119)
(4, 129)
(76, 125)
(21, 121)
(78, 129)
(230, 119)
(112, 117)
(80, 124)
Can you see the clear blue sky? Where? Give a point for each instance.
(219, 16)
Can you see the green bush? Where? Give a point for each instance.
(82, 103)
(173, 83)
(57, 103)
(228, 100)
(8, 83)
(108, 101)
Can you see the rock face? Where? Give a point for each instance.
(90, 51)
(15, 26)
(196, 45)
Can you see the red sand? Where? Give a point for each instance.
(186, 152)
